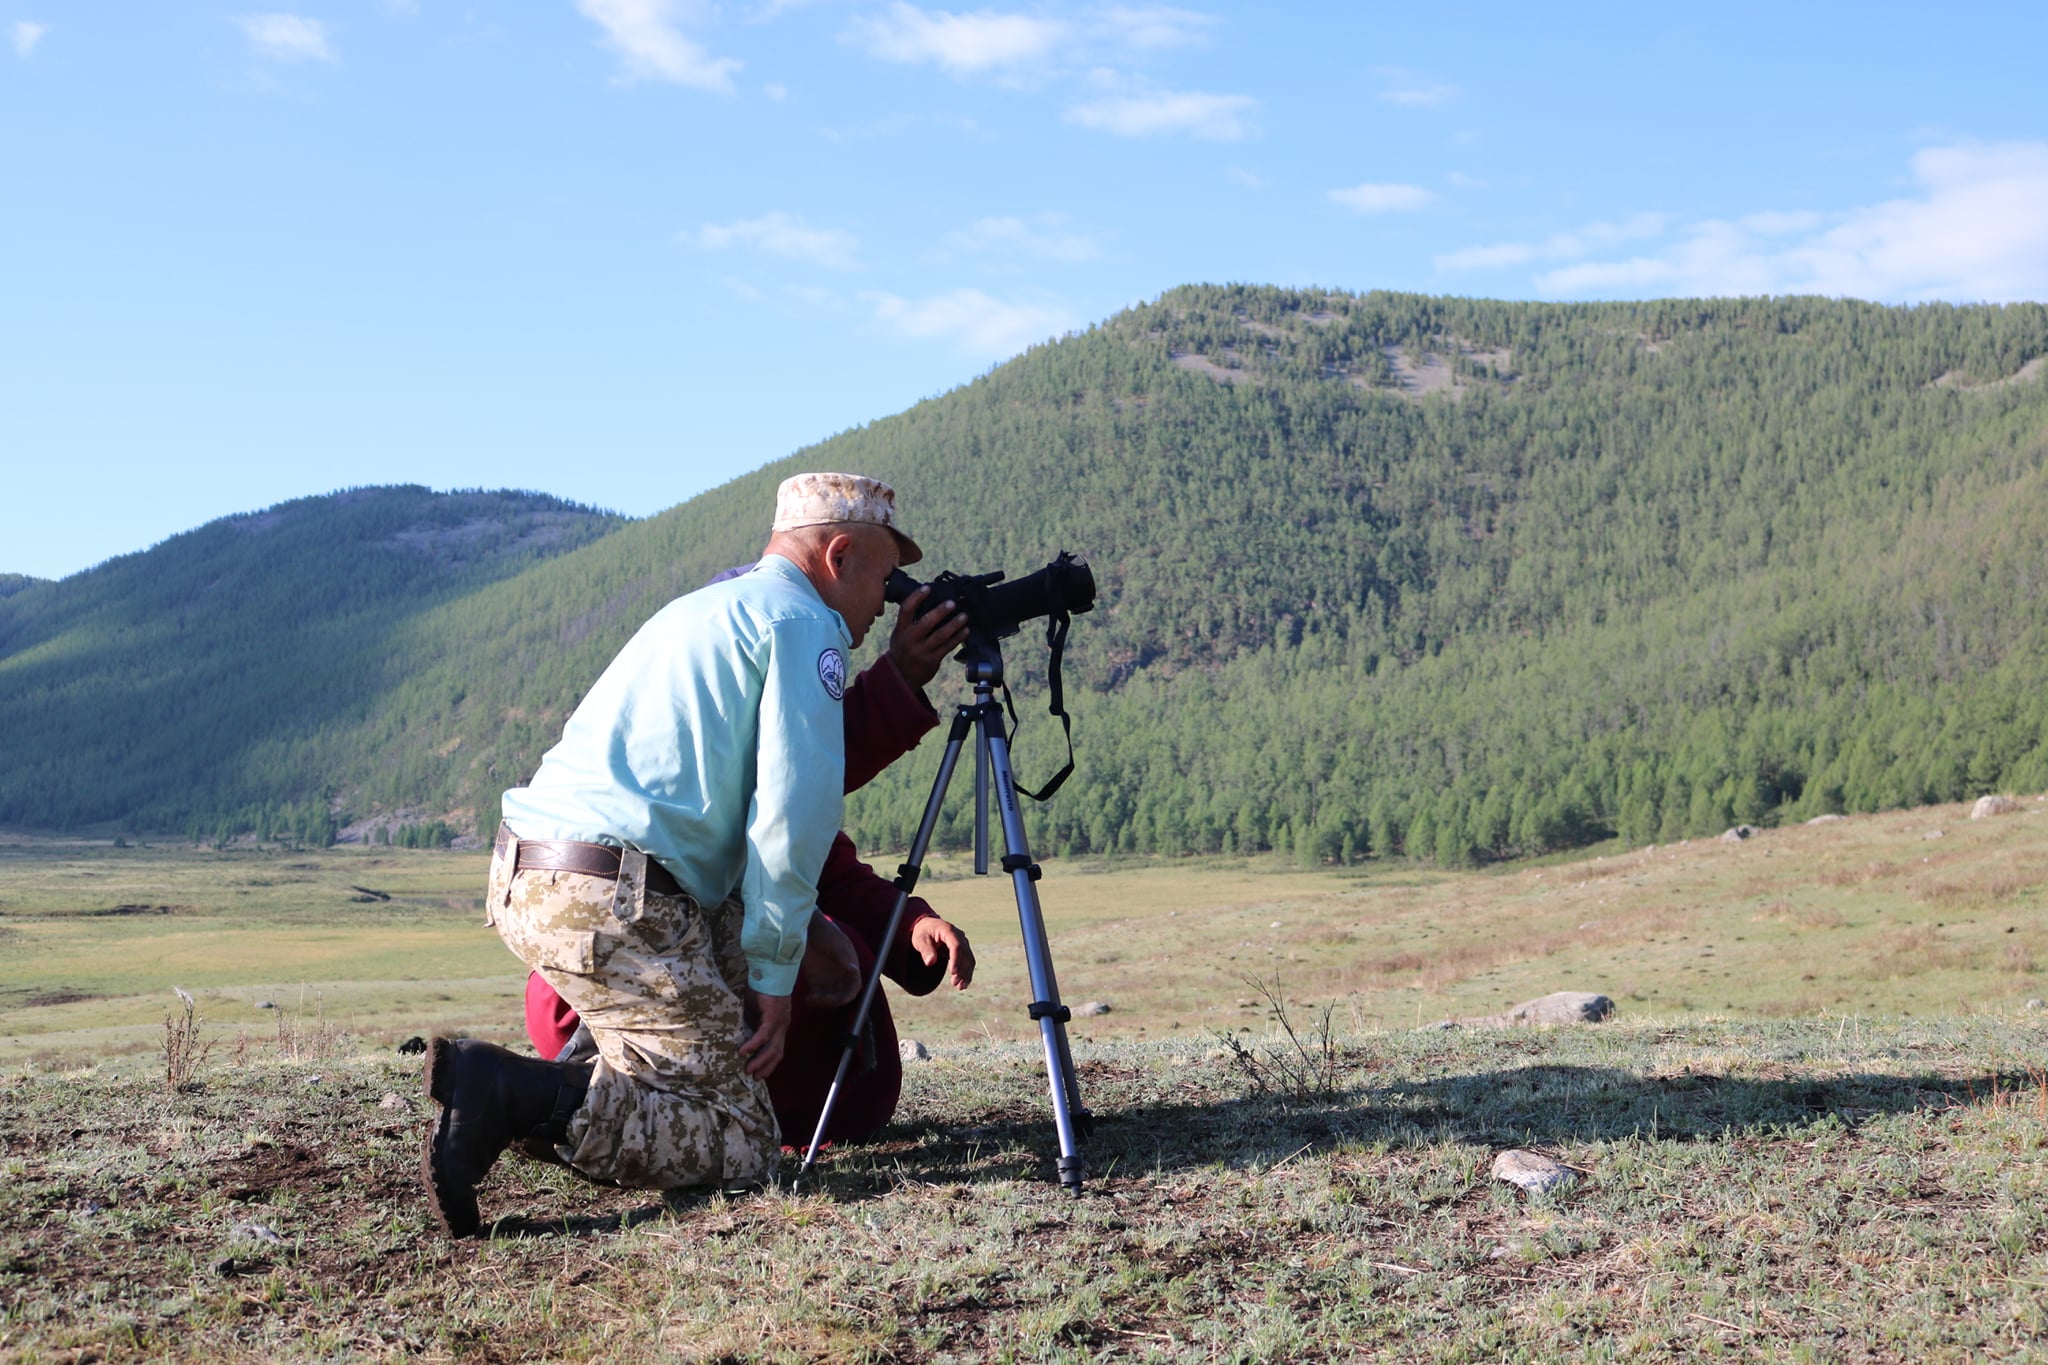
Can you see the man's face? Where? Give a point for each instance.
(859, 572)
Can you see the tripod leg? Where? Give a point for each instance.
(1046, 1008)
(906, 881)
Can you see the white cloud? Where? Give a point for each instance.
(1213, 118)
(783, 235)
(1157, 27)
(1251, 180)
(976, 323)
(1045, 237)
(287, 38)
(651, 46)
(1559, 246)
(962, 44)
(1371, 198)
(1412, 90)
(776, 91)
(1497, 257)
(26, 35)
(1977, 231)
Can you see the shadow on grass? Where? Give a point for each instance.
(1540, 1105)
(1137, 1129)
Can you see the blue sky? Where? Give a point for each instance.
(623, 250)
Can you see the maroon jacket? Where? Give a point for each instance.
(885, 718)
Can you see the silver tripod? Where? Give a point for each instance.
(984, 716)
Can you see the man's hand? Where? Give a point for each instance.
(932, 937)
(831, 969)
(919, 644)
(764, 1049)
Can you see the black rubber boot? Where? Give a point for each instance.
(489, 1099)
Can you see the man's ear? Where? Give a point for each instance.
(838, 550)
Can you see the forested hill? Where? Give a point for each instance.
(230, 666)
(1380, 573)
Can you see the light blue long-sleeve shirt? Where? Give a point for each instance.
(715, 743)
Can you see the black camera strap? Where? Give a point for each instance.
(1056, 641)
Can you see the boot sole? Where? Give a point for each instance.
(453, 1203)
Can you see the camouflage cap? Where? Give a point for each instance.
(826, 499)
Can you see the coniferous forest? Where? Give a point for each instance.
(1380, 574)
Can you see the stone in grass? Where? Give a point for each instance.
(1738, 834)
(1988, 806)
(1533, 1172)
(910, 1050)
(1828, 819)
(1559, 1007)
(2037, 1003)
(1090, 1009)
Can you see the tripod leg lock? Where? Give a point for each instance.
(906, 877)
(1042, 1009)
(1019, 862)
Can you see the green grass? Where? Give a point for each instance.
(1817, 1130)
(1787, 1191)
(1866, 916)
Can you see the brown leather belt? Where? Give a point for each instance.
(593, 860)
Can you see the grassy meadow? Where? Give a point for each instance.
(1816, 1130)
(1920, 912)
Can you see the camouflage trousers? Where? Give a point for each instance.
(659, 980)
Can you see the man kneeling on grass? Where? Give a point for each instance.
(660, 874)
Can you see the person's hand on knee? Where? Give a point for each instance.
(763, 1051)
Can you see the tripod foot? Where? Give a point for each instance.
(1072, 1170)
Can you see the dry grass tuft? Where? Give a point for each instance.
(1862, 875)
(184, 1050)
(1782, 911)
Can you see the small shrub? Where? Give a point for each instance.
(1306, 1069)
(184, 1050)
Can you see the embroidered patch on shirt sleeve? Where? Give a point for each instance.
(832, 672)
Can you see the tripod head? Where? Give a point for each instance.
(982, 656)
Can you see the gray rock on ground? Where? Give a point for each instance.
(1828, 819)
(1090, 1009)
(1988, 806)
(1738, 834)
(910, 1050)
(1532, 1171)
(1559, 1007)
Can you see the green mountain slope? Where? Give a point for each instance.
(1380, 573)
(228, 667)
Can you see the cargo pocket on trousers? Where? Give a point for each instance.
(570, 951)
